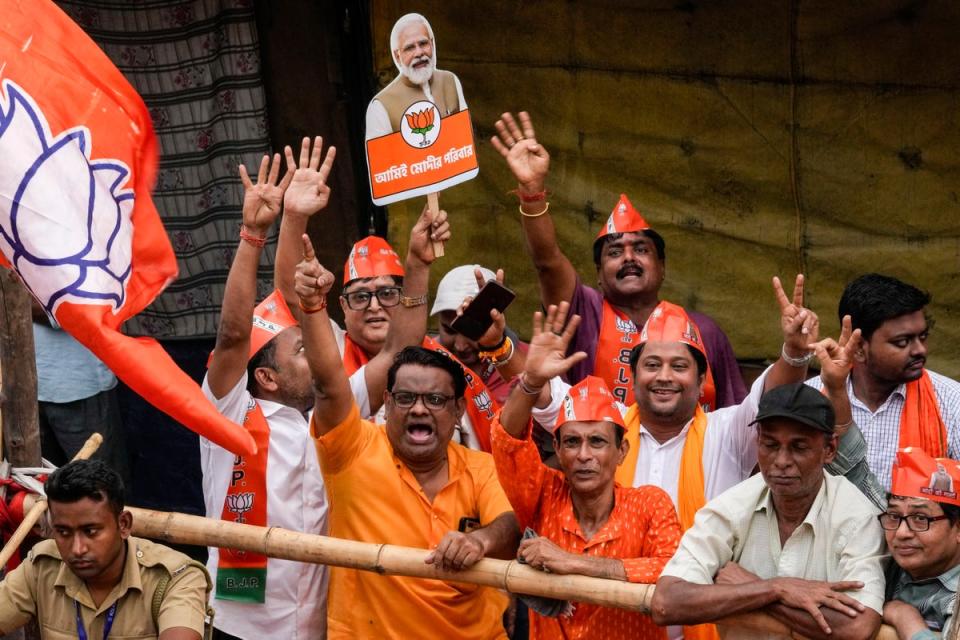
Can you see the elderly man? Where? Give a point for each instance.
(630, 261)
(922, 527)
(404, 483)
(414, 52)
(794, 541)
(897, 402)
(587, 524)
(94, 579)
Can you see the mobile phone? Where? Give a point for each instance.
(476, 317)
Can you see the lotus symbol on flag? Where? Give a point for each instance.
(67, 228)
(421, 122)
(239, 504)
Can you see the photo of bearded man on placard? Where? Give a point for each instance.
(414, 52)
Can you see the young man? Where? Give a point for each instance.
(922, 527)
(630, 260)
(94, 579)
(586, 523)
(793, 542)
(404, 483)
(897, 402)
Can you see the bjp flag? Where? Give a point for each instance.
(78, 159)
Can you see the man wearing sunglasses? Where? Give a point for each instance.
(403, 483)
(922, 528)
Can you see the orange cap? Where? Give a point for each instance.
(590, 401)
(916, 474)
(270, 317)
(670, 323)
(372, 257)
(623, 218)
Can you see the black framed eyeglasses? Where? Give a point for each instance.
(432, 401)
(360, 300)
(916, 522)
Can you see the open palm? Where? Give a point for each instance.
(547, 356)
(527, 159)
(261, 201)
(308, 191)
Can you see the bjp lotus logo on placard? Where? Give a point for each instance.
(420, 127)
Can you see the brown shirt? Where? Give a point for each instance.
(43, 586)
(401, 93)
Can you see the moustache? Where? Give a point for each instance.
(629, 269)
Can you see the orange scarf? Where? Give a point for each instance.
(618, 337)
(920, 422)
(481, 407)
(242, 575)
(690, 488)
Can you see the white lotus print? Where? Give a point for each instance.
(64, 217)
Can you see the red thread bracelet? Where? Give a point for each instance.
(320, 307)
(257, 241)
(528, 198)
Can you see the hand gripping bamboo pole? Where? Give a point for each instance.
(406, 561)
(33, 515)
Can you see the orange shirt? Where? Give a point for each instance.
(642, 531)
(374, 497)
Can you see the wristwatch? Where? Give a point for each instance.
(408, 302)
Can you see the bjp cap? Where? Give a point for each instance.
(270, 317)
(669, 322)
(370, 258)
(590, 401)
(625, 218)
(917, 474)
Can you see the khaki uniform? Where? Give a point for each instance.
(45, 587)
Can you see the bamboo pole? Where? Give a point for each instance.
(433, 204)
(36, 511)
(388, 559)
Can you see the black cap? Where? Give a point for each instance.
(798, 402)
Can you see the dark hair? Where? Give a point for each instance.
(698, 357)
(81, 479)
(265, 357)
(428, 358)
(619, 433)
(952, 511)
(872, 299)
(655, 237)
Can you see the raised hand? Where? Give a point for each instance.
(801, 326)
(546, 357)
(425, 232)
(261, 201)
(312, 282)
(494, 334)
(527, 158)
(308, 191)
(836, 356)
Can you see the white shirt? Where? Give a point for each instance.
(881, 428)
(296, 595)
(729, 447)
(378, 121)
(839, 539)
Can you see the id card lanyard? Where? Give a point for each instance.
(107, 624)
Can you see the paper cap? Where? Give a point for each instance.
(623, 218)
(916, 474)
(669, 322)
(456, 285)
(370, 258)
(590, 401)
(270, 317)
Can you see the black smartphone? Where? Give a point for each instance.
(476, 317)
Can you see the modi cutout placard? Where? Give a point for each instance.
(419, 136)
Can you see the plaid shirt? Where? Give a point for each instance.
(881, 428)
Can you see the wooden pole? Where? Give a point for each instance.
(388, 559)
(21, 426)
(433, 204)
(39, 507)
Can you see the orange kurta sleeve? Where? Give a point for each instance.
(661, 537)
(520, 470)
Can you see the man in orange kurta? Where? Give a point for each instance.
(586, 523)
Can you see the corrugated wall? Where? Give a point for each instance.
(758, 137)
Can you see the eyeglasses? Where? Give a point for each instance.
(432, 401)
(360, 300)
(916, 522)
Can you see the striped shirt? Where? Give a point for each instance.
(881, 428)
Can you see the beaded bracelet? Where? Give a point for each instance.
(499, 357)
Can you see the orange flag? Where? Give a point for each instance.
(78, 159)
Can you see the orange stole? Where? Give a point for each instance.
(242, 575)
(481, 407)
(690, 488)
(618, 336)
(920, 422)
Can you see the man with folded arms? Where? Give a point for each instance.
(922, 527)
(403, 483)
(586, 523)
(793, 541)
